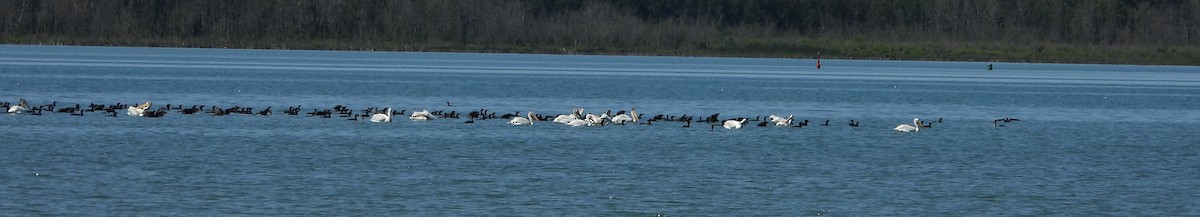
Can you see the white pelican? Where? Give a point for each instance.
(633, 113)
(910, 128)
(596, 119)
(734, 124)
(622, 118)
(20, 107)
(579, 122)
(422, 115)
(386, 116)
(780, 121)
(575, 114)
(566, 118)
(138, 111)
(523, 120)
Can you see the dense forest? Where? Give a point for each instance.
(1104, 31)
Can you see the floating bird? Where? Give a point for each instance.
(191, 110)
(802, 123)
(138, 111)
(422, 115)
(622, 118)
(155, 113)
(567, 118)
(1008, 119)
(527, 120)
(734, 124)
(579, 122)
(20, 107)
(780, 121)
(386, 116)
(910, 128)
(290, 110)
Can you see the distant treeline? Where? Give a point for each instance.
(1117, 31)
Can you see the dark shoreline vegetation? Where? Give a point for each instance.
(1111, 31)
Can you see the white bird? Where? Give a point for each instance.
(734, 124)
(386, 116)
(579, 122)
(567, 118)
(622, 118)
(596, 119)
(910, 128)
(633, 113)
(16, 109)
(423, 115)
(20, 107)
(528, 120)
(782, 122)
(138, 111)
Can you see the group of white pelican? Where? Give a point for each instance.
(387, 113)
(576, 118)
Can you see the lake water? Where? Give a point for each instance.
(1093, 139)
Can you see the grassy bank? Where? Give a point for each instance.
(795, 48)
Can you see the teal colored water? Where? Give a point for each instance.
(1093, 139)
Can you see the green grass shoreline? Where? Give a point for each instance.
(774, 48)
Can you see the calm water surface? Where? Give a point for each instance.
(1093, 139)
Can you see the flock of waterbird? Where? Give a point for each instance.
(576, 118)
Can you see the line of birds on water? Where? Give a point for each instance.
(577, 117)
